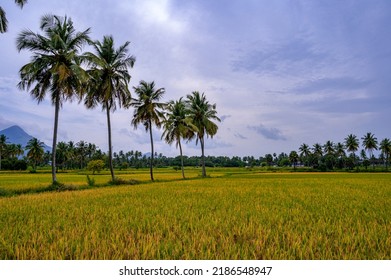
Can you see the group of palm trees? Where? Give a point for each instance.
(101, 78)
(351, 144)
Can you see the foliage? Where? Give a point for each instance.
(96, 166)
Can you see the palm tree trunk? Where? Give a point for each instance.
(180, 151)
(203, 157)
(110, 145)
(56, 113)
(152, 151)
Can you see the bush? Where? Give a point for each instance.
(95, 165)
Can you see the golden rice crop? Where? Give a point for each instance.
(240, 216)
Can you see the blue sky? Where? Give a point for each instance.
(282, 73)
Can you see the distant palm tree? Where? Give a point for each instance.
(35, 151)
(305, 152)
(3, 145)
(202, 113)
(15, 150)
(340, 150)
(178, 125)
(340, 153)
(329, 148)
(293, 158)
(385, 147)
(148, 111)
(109, 81)
(317, 149)
(351, 143)
(55, 66)
(370, 143)
(3, 17)
(62, 155)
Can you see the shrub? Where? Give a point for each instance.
(95, 165)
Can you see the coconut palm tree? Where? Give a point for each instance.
(305, 152)
(202, 113)
(178, 125)
(370, 143)
(148, 111)
(15, 150)
(54, 66)
(329, 148)
(293, 158)
(351, 143)
(108, 85)
(385, 147)
(35, 151)
(3, 17)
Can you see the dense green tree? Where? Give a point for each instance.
(148, 111)
(108, 85)
(55, 65)
(203, 115)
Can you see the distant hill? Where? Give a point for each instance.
(16, 135)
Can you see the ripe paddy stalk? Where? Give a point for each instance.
(246, 216)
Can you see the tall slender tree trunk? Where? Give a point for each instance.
(152, 150)
(110, 145)
(54, 145)
(180, 151)
(203, 157)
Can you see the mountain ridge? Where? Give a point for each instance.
(16, 135)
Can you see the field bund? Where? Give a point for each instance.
(231, 215)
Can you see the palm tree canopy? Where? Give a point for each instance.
(147, 108)
(202, 114)
(109, 74)
(385, 146)
(317, 148)
(3, 17)
(351, 143)
(369, 141)
(35, 149)
(177, 124)
(304, 150)
(55, 65)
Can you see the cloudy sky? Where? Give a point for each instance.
(282, 73)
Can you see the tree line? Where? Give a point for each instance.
(330, 156)
(100, 78)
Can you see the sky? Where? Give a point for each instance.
(281, 73)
